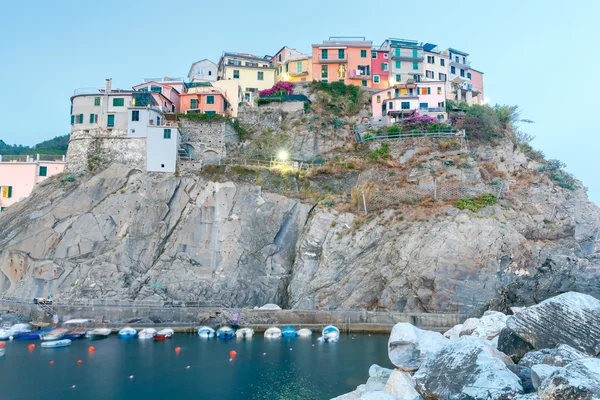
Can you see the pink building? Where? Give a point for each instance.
(402, 100)
(19, 174)
(380, 66)
(166, 96)
(476, 78)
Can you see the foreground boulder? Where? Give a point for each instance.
(570, 318)
(408, 346)
(539, 373)
(378, 377)
(559, 357)
(512, 345)
(402, 385)
(580, 380)
(466, 370)
(525, 376)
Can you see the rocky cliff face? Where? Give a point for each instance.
(131, 235)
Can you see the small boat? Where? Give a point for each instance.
(289, 332)
(206, 332)
(32, 335)
(56, 343)
(330, 334)
(244, 333)
(5, 334)
(147, 333)
(76, 333)
(273, 333)
(11, 332)
(76, 328)
(225, 332)
(98, 334)
(127, 333)
(167, 332)
(304, 332)
(55, 334)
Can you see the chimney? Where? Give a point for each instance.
(108, 85)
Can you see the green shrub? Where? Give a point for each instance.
(329, 203)
(474, 203)
(67, 178)
(337, 97)
(244, 134)
(381, 153)
(307, 108)
(367, 136)
(393, 129)
(337, 122)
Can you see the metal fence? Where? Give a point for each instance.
(25, 158)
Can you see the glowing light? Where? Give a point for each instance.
(283, 155)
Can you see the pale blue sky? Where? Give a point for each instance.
(539, 54)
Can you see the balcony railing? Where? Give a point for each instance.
(433, 109)
(404, 57)
(357, 74)
(298, 73)
(466, 63)
(333, 60)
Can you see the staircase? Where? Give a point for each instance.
(182, 153)
(48, 309)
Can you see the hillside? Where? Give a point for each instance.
(57, 145)
(505, 227)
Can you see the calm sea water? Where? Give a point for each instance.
(298, 368)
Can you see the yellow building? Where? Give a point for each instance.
(292, 66)
(252, 72)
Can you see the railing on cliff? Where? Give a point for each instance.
(450, 133)
(25, 158)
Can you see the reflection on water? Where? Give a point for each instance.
(298, 368)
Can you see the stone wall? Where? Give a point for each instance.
(268, 118)
(403, 149)
(206, 140)
(286, 106)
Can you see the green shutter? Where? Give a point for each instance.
(373, 54)
(363, 53)
(167, 134)
(415, 53)
(91, 118)
(299, 66)
(118, 102)
(9, 192)
(341, 54)
(72, 119)
(210, 112)
(43, 171)
(324, 54)
(415, 65)
(287, 67)
(397, 52)
(110, 120)
(364, 82)
(210, 99)
(398, 64)
(323, 71)
(81, 118)
(96, 101)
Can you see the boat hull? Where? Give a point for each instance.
(206, 332)
(244, 333)
(56, 343)
(304, 332)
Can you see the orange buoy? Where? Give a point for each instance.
(232, 353)
(177, 350)
(51, 362)
(31, 346)
(2, 344)
(78, 361)
(91, 349)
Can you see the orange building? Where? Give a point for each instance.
(343, 59)
(203, 98)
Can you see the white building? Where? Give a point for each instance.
(203, 71)
(460, 87)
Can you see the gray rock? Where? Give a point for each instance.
(402, 385)
(559, 357)
(378, 377)
(524, 374)
(578, 380)
(540, 372)
(408, 346)
(512, 345)
(465, 370)
(570, 318)
(376, 395)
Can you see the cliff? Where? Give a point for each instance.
(232, 240)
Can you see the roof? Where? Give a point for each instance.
(346, 43)
(197, 84)
(462, 53)
(157, 83)
(429, 46)
(245, 56)
(395, 42)
(199, 61)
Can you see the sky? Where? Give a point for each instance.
(538, 54)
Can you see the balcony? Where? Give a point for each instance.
(404, 57)
(460, 64)
(333, 60)
(358, 74)
(298, 73)
(433, 109)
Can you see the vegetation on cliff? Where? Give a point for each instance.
(57, 145)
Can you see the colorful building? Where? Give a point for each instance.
(435, 63)
(203, 71)
(292, 65)
(203, 98)
(341, 59)
(165, 95)
(406, 60)
(19, 175)
(380, 64)
(460, 76)
(252, 72)
(232, 91)
(476, 78)
(405, 99)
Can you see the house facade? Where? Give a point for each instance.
(20, 174)
(203, 71)
(476, 78)
(166, 96)
(405, 99)
(406, 60)
(232, 91)
(203, 98)
(460, 87)
(292, 65)
(435, 63)
(252, 72)
(380, 65)
(346, 60)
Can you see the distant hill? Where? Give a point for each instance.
(58, 145)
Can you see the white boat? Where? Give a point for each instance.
(273, 333)
(147, 333)
(127, 333)
(166, 332)
(98, 334)
(4, 334)
(304, 332)
(330, 334)
(57, 343)
(10, 332)
(206, 332)
(55, 334)
(244, 333)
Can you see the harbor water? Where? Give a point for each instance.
(299, 368)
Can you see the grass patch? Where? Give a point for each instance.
(475, 203)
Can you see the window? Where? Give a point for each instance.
(440, 117)
(423, 106)
(279, 58)
(430, 59)
(43, 171)
(391, 105)
(376, 79)
(462, 73)
(429, 74)
(341, 54)
(324, 54)
(110, 120)
(167, 134)
(299, 66)
(93, 118)
(441, 104)
(72, 119)
(194, 103)
(260, 76)
(389, 95)
(7, 192)
(155, 89)
(236, 74)
(439, 90)
(363, 53)
(442, 62)
(453, 70)
(415, 65)
(135, 115)
(417, 78)
(210, 99)
(118, 102)
(405, 105)
(287, 67)
(96, 101)
(80, 119)
(415, 53)
(324, 80)
(464, 60)
(209, 73)
(373, 54)
(468, 75)
(385, 55)
(323, 71)
(397, 64)
(398, 78)
(457, 59)
(384, 66)
(157, 120)
(397, 52)
(442, 77)
(425, 90)
(364, 82)
(378, 99)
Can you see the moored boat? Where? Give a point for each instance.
(127, 333)
(56, 343)
(147, 333)
(98, 334)
(206, 332)
(330, 334)
(244, 333)
(76, 328)
(304, 332)
(55, 334)
(32, 335)
(289, 332)
(273, 333)
(76, 333)
(167, 332)
(225, 332)
(11, 332)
